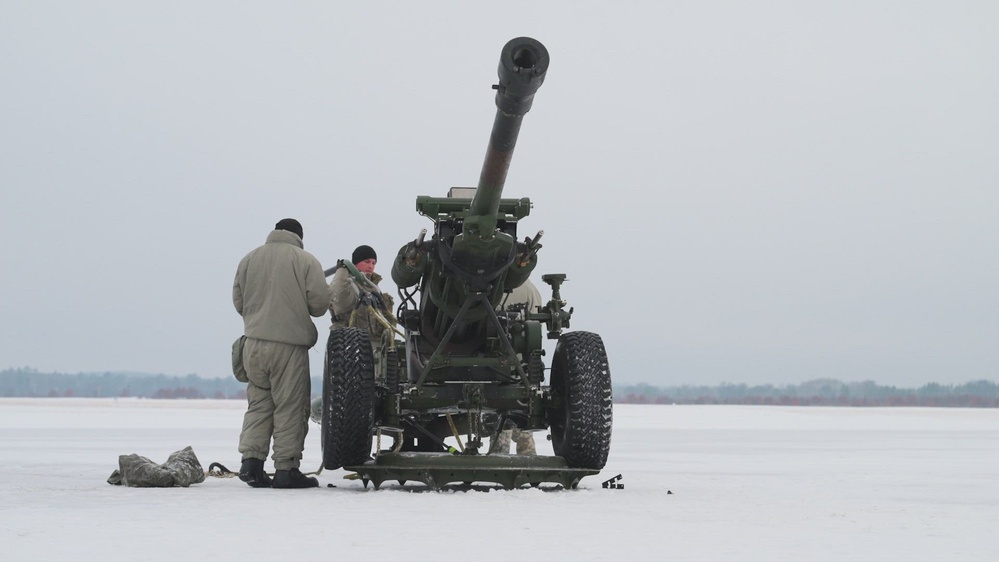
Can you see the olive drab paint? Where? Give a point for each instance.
(470, 366)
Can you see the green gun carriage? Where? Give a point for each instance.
(466, 366)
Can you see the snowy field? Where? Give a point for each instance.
(701, 483)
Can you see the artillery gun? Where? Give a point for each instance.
(469, 364)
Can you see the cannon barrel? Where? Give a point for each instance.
(522, 67)
(473, 260)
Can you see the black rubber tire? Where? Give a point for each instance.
(582, 413)
(348, 398)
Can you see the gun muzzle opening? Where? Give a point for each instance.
(526, 59)
(523, 64)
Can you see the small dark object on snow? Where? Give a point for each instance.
(614, 483)
(293, 479)
(252, 472)
(181, 469)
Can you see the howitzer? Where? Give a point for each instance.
(472, 362)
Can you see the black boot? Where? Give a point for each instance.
(252, 472)
(293, 478)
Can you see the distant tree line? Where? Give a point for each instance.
(819, 392)
(27, 382)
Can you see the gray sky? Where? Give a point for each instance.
(739, 192)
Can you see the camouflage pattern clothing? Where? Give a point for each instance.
(181, 469)
(529, 295)
(351, 305)
(524, 440)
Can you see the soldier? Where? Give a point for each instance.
(351, 305)
(526, 294)
(349, 300)
(278, 286)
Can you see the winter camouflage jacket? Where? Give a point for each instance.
(278, 286)
(349, 311)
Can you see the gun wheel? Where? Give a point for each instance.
(582, 415)
(348, 398)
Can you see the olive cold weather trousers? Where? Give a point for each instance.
(277, 397)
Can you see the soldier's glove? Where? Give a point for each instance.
(373, 299)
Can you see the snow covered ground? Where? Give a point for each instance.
(701, 483)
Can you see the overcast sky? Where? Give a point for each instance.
(743, 192)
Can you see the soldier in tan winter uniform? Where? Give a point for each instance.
(526, 294)
(278, 288)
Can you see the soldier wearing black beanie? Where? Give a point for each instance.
(362, 253)
(291, 225)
